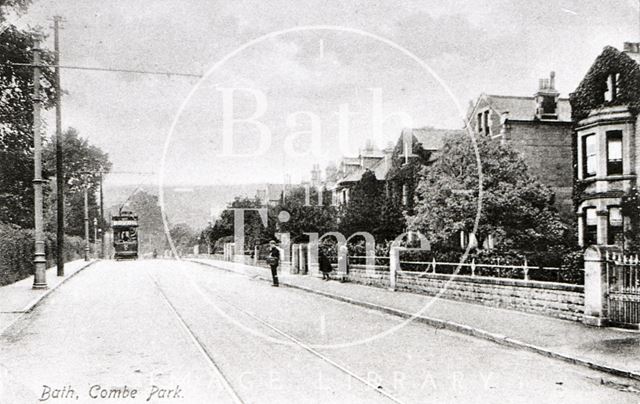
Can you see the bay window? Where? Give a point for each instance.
(616, 227)
(590, 226)
(614, 152)
(589, 155)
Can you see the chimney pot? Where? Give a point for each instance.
(552, 80)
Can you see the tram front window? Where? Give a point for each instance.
(125, 236)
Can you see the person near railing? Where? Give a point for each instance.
(273, 259)
(324, 264)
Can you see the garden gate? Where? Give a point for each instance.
(623, 291)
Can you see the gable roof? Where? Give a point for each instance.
(519, 108)
(430, 138)
(589, 94)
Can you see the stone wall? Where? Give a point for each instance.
(548, 298)
(379, 277)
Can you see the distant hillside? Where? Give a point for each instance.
(190, 205)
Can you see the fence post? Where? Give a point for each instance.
(302, 258)
(526, 269)
(256, 251)
(433, 265)
(595, 284)
(312, 258)
(285, 252)
(473, 267)
(343, 262)
(295, 258)
(394, 266)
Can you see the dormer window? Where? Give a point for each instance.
(547, 98)
(611, 92)
(549, 104)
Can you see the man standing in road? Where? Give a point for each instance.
(273, 259)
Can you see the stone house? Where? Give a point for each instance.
(350, 170)
(605, 109)
(414, 149)
(540, 128)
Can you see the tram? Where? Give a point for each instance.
(125, 235)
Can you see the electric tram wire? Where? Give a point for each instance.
(107, 69)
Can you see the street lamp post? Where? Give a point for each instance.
(40, 274)
(95, 237)
(100, 250)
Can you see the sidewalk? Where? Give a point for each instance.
(611, 350)
(19, 297)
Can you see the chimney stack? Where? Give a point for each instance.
(631, 47)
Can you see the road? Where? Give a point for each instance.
(179, 332)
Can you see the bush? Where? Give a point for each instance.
(17, 250)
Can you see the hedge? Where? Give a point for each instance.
(17, 250)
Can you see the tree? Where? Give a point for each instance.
(363, 211)
(254, 231)
(517, 210)
(183, 237)
(150, 225)
(392, 221)
(304, 218)
(82, 165)
(16, 116)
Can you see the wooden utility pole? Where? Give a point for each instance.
(101, 220)
(59, 170)
(86, 221)
(40, 274)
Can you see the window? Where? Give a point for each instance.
(480, 122)
(589, 156)
(468, 240)
(616, 226)
(405, 195)
(549, 104)
(590, 226)
(486, 122)
(611, 91)
(614, 152)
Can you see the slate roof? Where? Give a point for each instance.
(379, 168)
(524, 108)
(431, 138)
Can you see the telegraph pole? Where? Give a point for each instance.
(86, 221)
(59, 171)
(101, 220)
(40, 274)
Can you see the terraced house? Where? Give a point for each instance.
(605, 109)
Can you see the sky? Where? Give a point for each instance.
(413, 63)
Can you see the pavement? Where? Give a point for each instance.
(611, 350)
(181, 332)
(19, 297)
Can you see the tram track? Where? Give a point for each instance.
(233, 392)
(377, 388)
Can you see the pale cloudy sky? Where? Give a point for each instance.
(493, 46)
